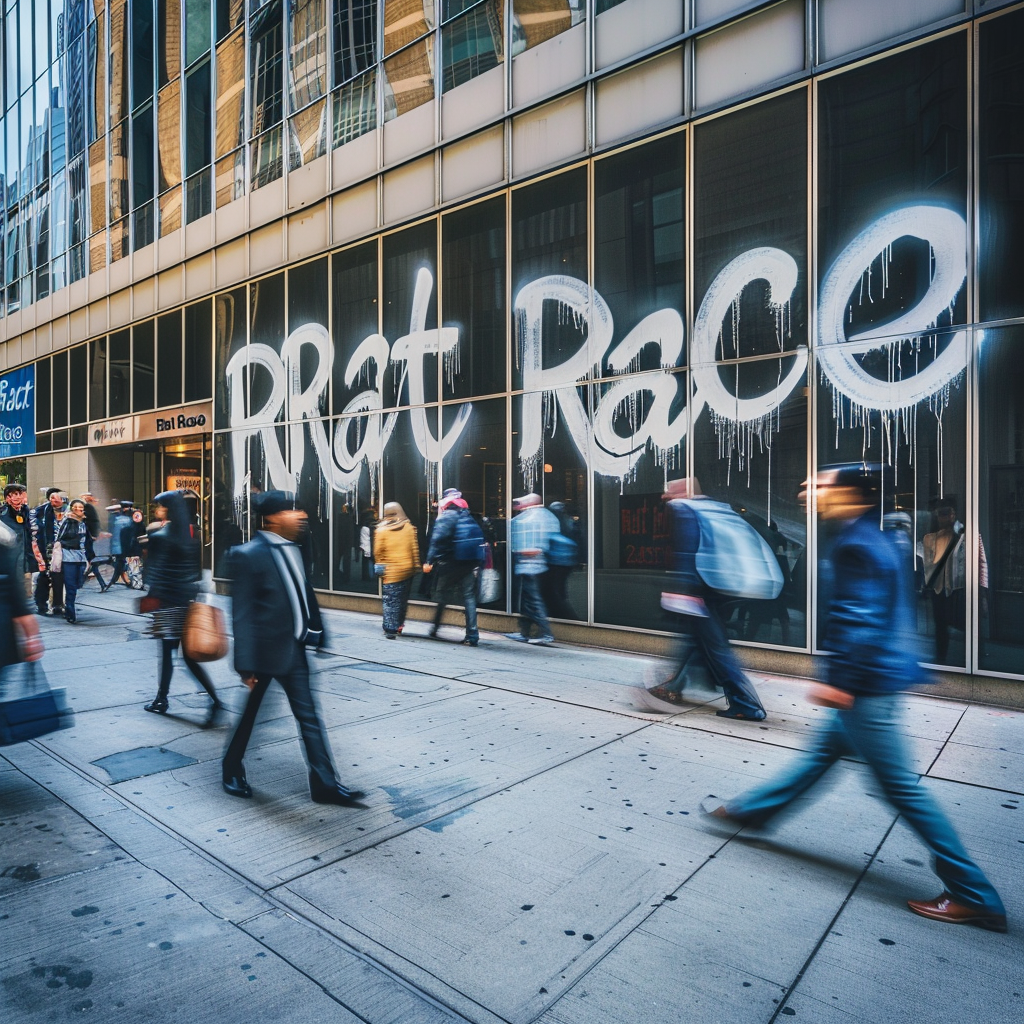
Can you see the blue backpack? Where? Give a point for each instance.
(733, 558)
(562, 550)
(468, 543)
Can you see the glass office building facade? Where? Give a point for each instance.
(384, 247)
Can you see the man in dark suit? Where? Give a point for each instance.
(276, 617)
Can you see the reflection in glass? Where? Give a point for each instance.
(1001, 165)
(78, 377)
(549, 237)
(307, 58)
(198, 115)
(354, 507)
(198, 351)
(97, 379)
(265, 59)
(314, 496)
(44, 382)
(308, 135)
(119, 352)
(228, 516)
(168, 359)
(230, 178)
(170, 211)
(230, 94)
(141, 36)
(229, 309)
(473, 290)
(98, 183)
(118, 73)
(883, 138)
(355, 109)
(119, 171)
(143, 366)
(639, 244)
(1000, 578)
(406, 20)
(355, 38)
(537, 20)
(266, 327)
(169, 134)
(118, 246)
(169, 46)
(355, 318)
(409, 79)
(143, 178)
(96, 77)
(308, 304)
(473, 44)
(197, 29)
(630, 524)
(228, 15)
(197, 195)
(410, 290)
(923, 453)
(475, 464)
(265, 158)
(59, 407)
(750, 180)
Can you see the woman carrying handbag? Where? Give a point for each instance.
(172, 573)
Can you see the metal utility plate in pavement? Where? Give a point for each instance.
(133, 764)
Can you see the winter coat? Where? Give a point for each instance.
(398, 549)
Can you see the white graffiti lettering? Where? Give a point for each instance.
(364, 431)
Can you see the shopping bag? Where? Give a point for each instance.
(56, 557)
(204, 637)
(29, 708)
(490, 586)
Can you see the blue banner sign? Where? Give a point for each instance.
(18, 413)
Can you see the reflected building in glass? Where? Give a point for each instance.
(370, 249)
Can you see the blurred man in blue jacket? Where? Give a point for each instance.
(871, 636)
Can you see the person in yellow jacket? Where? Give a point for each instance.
(397, 558)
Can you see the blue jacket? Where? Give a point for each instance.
(871, 620)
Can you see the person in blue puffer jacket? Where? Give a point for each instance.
(871, 639)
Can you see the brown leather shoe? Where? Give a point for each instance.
(945, 908)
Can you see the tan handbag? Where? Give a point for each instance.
(204, 637)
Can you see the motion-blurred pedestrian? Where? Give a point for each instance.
(46, 519)
(73, 536)
(19, 631)
(18, 516)
(397, 550)
(697, 612)
(530, 536)
(870, 634)
(275, 617)
(563, 557)
(456, 553)
(173, 570)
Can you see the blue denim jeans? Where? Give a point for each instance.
(74, 577)
(871, 730)
(531, 605)
(455, 583)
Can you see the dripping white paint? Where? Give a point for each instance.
(552, 389)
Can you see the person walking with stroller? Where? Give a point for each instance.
(397, 551)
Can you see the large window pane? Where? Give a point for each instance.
(355, 38)
(1001, 166)
(266, 43)
(96, 77)
(78, 383)
(143, 178)
(197, 29)
(230, 333)
(354, 501)
(475, 464)
(168, 359)
(355, 319)
(307, 308)
(473, 290)
(228, 15)
(473, 44)
(537, 20)
(118, 75)
(1001, 500)
(198, 352)
(409, 79)
(169, 134)
(355, 109)
(142, 51)
(266, 327)
(60, 389)
(198, 126)
(549, 238)
(307, 58)
(120, 353)
(230, 94)
(639, 266)
(97, 379)
(410, 307)
(406, 20)
(143, 366)
(307, 136)
(169, 47)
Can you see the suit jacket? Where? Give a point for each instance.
(261, 611)
(12, 594)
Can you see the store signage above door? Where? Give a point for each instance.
(18, 413)
(180, 422)
(119, 431)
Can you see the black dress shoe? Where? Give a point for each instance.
(336, 794)
(157, 706)
(235, 785)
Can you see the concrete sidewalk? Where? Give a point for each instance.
(530, 851)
